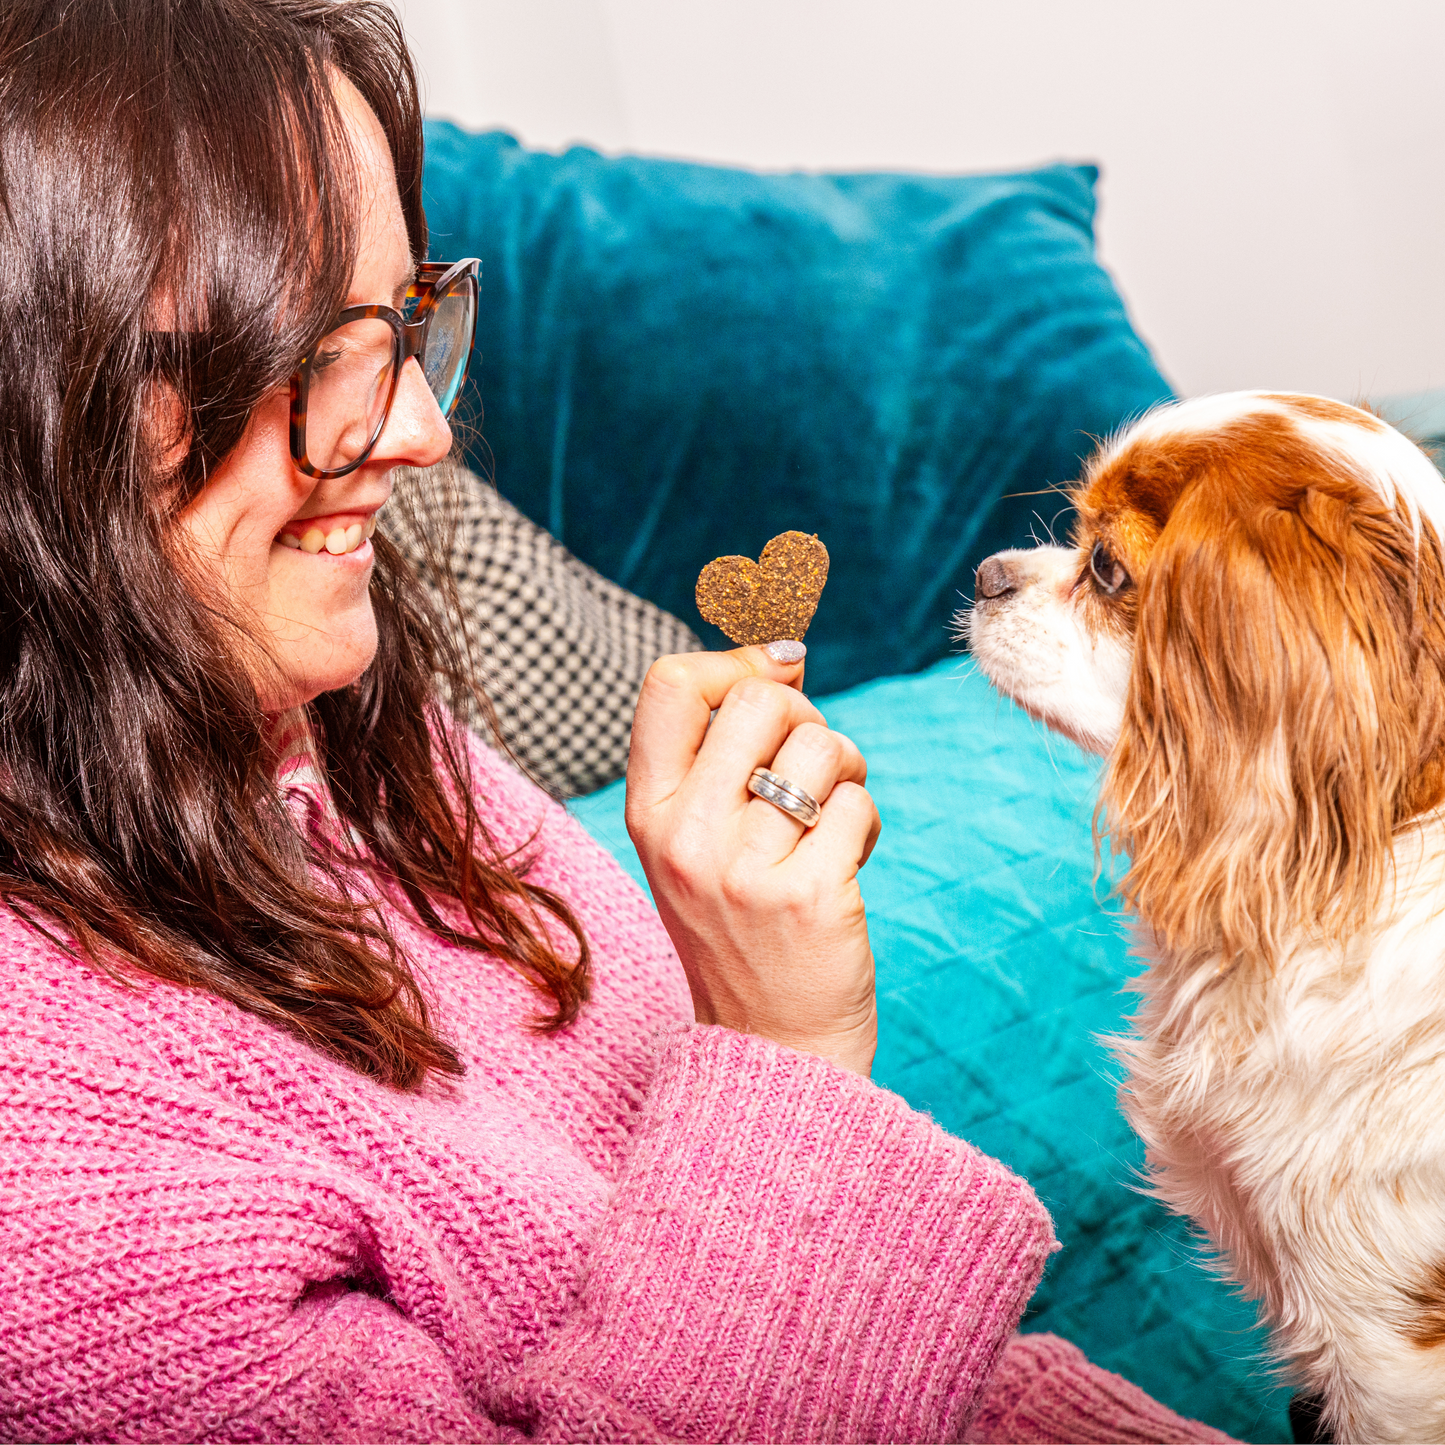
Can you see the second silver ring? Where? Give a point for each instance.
(796, 802)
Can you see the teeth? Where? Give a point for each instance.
(338, 541)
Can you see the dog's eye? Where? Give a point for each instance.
(1108, 571)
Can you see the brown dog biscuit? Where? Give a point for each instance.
(767, 600)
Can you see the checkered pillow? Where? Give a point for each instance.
(558, 649)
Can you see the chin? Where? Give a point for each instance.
(326, 661)
(1250, 628)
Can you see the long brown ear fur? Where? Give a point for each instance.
(1286, 711)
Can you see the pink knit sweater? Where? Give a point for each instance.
(639, 1229)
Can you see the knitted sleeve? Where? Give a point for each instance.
(153, 1287)
(1045, 1392)
(788, 1253)
(792, 1254)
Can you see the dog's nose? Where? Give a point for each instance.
(993, 578)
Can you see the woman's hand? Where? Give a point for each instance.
(765, 914)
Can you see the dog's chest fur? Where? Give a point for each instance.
(1300, 1119)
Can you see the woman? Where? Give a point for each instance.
(349, 1092)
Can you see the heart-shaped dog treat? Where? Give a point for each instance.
(770, 599)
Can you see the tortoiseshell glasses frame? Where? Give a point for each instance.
(436, 283)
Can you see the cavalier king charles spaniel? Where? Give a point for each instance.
(1250, 628)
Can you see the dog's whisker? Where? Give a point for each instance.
(1052, 490)
(1054, 519)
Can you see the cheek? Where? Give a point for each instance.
(311, 617)
(228, 531)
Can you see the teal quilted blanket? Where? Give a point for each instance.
(1001, 963)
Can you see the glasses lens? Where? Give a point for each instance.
(352, 376)
(449, 342)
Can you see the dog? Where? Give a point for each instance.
(1250, 628)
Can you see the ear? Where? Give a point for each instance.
(1286, 712)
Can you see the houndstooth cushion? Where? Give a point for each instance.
(558, 649)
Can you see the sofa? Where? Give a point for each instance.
(678, 361)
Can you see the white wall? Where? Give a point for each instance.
(1273, 200)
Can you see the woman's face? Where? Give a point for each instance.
(311, 604)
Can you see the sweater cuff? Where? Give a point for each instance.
(1047, 1393)
(793, 1254)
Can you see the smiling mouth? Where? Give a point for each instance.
(336, 535)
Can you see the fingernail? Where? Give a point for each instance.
(786, 651)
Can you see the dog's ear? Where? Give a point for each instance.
(1286, 712)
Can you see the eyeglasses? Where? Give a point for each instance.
(341, 394)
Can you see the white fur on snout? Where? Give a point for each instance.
(1034, 646)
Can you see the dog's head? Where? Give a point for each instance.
(1249, 625)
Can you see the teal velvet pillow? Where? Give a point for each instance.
(1000, 965)
(680, 361)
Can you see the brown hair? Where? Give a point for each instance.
(177, 169)
(1272, 741)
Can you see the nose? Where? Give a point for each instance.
(416, 433)
(994, 578)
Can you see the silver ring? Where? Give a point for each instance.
(796, 802)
